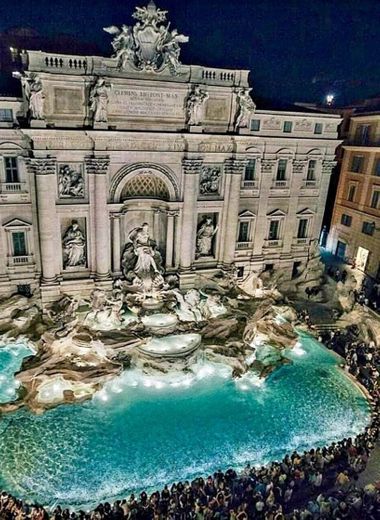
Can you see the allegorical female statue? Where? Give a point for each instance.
(246, 107)
(205, 235)
(141, 261)
(34, 95)
(195, 106)
(99, 95)
(74, 246)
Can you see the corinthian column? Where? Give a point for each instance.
(98, 167)
(233, 170)
(45, 174)
(191, 170)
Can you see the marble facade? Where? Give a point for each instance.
(112, 143)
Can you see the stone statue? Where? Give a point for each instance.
(141, 261)
(70, 182)
(33, 91)
(123, 44)
(74, 246)
(149, 45)
(99, 97)
(245, 109)
(210, 180)
(195, 106)
(205, 235)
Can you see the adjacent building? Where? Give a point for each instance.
(355, 227)
(99, 146)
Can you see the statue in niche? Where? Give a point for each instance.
(205, 235)
(74, 246)
(245, 109)
(99, 97)
(33, 91)
(195, 106)
(70, 182)
(141, 260)
(210, 180)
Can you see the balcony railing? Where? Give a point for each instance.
(20, 260)
(357, 141)
(302, 240)
(249, 185)
(273, 243)
(12, 187)
(310, 183)
(280, 184)
(243, 245)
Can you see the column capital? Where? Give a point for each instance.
(42, 165)
(235, 166)
(192, 166)
(267, 165)
(327, 166)
(97, 165)
(299, 165)
(173, 213)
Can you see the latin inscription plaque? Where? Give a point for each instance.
(131, 102)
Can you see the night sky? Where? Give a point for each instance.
(297, 50)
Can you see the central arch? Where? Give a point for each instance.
(144, 180)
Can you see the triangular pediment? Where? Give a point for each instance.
(305, 212)
(16, 222)
(247, 214)
(276, 213)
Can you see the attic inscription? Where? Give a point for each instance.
(145, 103)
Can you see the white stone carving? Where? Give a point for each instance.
(99, 98)
(74, 246)
(70, 182)
(195, 105)
(205, 234)
(209, 183)
(245, 108)
(149, 45)
(34, 95)
(142, 262)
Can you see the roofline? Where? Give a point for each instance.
(305, 114)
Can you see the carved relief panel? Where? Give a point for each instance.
(70, 181)
(210, 180)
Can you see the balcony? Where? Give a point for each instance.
(12, 187)
(15, 261)
(249, 185)
(310, 184)
(243, 245)
(273, 243)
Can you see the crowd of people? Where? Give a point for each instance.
(317, 484)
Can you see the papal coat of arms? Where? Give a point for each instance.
(150, 45)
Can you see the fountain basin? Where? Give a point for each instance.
(160, 323)
(175, 346)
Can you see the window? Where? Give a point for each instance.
(288, 125)
(11, 169)
(368, 228)
(281, 170)
(19, 243)
(274, 228)
(318, 128)
(346, 220)
(240, 272)
(357, 163)
(255, 125)
(375, 199)
(376, 170)
(302, 228)
(362, 134)
(311, 170)
(351, 193)
(6, 115)
(243, 232)
(249, 172)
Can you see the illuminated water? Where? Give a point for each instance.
(144, 432)
(11, 357)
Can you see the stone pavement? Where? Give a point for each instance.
(372, 472)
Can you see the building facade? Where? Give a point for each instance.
(99, 146)
(355, 228)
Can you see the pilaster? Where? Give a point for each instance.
(267, 171)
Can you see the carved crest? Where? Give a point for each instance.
(149, 45)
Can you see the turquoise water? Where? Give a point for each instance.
(11, 357)
(142, 432)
